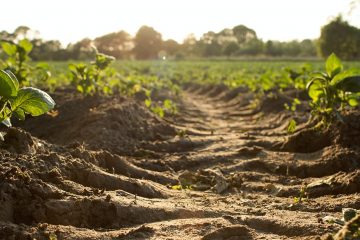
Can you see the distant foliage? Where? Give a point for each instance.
(239, 41)
(340, 38)
(147, 43)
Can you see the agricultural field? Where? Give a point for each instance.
(178, 149)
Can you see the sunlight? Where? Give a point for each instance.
(180, 119)
(71, 21)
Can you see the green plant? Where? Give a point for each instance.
(293, 106)
(299, 77)
(18, 56)
(291, 126)
(18, 59)
(90, 79)
(302, 195)
(160, 108)
(181, 187)
(333, 90)
(52, 236)
(20, 101)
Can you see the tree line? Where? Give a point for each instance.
(240, 41)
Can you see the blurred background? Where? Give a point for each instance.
(67, 30)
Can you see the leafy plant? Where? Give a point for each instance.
(333, 90)
(299, 77)
(302, 195)
(18, 59)
(292, 108)
(293, 105)
(90, 79)
(18, 55)
(160, 108)
(21, 101)
(291, 126)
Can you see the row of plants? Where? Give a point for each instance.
(330, 91)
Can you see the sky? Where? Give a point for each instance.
(73, 20)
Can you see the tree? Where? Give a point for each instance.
(45, 50)
(252, 47)
(209, 45)
(273, 48)
(81, 50)
(244, 34)
(4, 35)
(188, 44)
(171, 47)
(231, 49)
(212, 49)
(308, 48)
(22, 32)
(117, 44)
(340, 38)
(291, 49)
(147, 43)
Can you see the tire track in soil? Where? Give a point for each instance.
(228, 143)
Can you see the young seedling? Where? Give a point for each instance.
(90, 79)
(292, 123)
(19, 102)
(160, 108)
(302, 195)
(291, 126)
(333, 90)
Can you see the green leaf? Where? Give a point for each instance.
(349, 84)
(103, 61)
(315, 89)
(9, 85)
(345, 74)
(148, 93)
(43, 65)
(32, 101)
(333, 65)
(72, 67)
(319, 75)
(352, 99)
(167, 104)
(5, 111)
(176, 187)
(148, 102)
(26, 45)
(291, 126)
(353, 102)
(9, 49)
(286, 106)
(296, 101)
(158, 111)
(20, 114)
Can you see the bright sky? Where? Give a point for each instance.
(72, 20)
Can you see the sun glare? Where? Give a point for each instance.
(70, 21)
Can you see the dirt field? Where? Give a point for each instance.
(107, 168)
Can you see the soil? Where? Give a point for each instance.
(222, 168)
